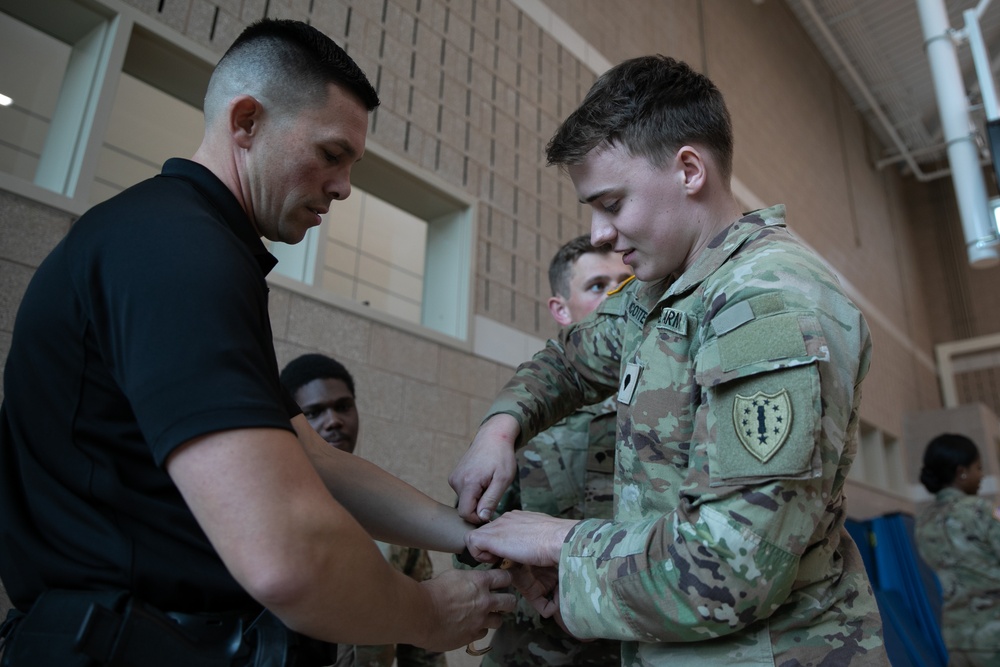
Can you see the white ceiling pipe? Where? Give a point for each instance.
(953, 105)
(981, 59)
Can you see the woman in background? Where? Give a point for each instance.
(959, 536)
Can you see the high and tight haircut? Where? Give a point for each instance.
(287, 65)
(651, 106)
(943, 456)
(308, 367)
(561, 266)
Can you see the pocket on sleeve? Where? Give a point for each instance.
(763, 389)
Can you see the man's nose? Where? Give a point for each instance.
(601, 233)
(339, 187)
(328, 421)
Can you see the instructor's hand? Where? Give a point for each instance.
(467, 604)
(487, 469)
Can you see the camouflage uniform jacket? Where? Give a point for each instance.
(416, 564)
(566, 471)
(738, 384)
(959, 536)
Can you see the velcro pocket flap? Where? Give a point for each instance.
(761, 345)
(762, 385)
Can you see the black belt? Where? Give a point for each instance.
(91, 628)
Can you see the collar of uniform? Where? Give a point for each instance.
(949, 493)
(216, 192)
(724, 245)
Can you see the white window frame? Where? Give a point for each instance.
(450, 216)
(72, 147)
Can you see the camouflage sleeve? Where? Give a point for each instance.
(579, 369)
(989, 517)
(416, 564)
(721, 540)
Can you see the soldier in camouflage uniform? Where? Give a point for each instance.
(324, 390)
(736, 360)
(566, 471)
(959, 536)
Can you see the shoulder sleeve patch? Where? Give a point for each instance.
(767, 426)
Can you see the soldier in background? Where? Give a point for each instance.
(736, 360)
(566, 471)
(324, 389)
(959, 536)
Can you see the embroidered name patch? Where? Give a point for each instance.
(637, 313)
(762, 422)
(674, 320)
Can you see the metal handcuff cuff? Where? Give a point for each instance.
(466, 558)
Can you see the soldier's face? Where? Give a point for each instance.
(329, 407)
(593, 274)
(641, 210)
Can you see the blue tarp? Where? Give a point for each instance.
(907, 590)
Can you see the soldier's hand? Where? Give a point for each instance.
(487, 469)
(532, 538)
(539, 586)
(466, 605)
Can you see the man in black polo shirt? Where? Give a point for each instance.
(149, 460)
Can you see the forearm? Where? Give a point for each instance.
(290, 544)
(559, 379)
(388, 508)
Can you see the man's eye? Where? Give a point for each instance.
(611, 207)
(330, 157)
(598, 287)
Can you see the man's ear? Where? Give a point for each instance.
(560, 311)
(691, 163)
(245, 114)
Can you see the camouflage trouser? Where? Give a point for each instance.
(527, 642)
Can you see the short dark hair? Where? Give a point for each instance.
(651, 106)
(561, 265)
(943, 456)
(308, 367)
(287, 63)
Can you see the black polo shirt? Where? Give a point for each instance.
(145, 327)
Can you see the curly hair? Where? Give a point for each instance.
(308, 367)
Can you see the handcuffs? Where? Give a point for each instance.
(466, 558)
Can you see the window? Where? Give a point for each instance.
(81, 124)
(109, 95)
(63, 49)
(33, 93)
(399, 245)
(156, 114)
